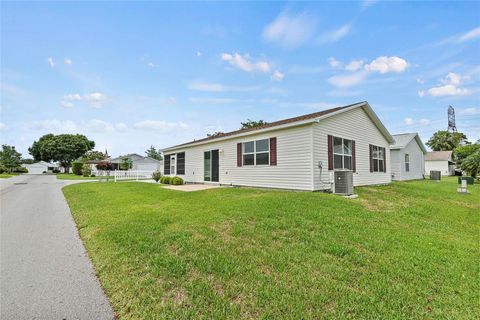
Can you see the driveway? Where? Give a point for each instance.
(44, 269)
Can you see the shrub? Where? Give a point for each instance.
(165, 180)
(56, 171)
(176, 181)
(21, 170)
(86, 171)
(156, 176)
(92, 175)
(104, 165)
(77, 168)
(2, 169)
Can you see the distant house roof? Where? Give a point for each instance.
(439, 156)
(130, 155)
(402, 140)
(307, 118)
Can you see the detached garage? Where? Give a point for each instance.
(40, 167)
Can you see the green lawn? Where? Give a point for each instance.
(407, 250)
(71, 176)
(8, 175)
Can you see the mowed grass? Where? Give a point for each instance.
(8, 175)
(71, 176)
(406, 250)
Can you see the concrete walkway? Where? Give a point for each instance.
(44, 270)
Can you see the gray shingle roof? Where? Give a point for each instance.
(402, 140)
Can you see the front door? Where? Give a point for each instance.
(211, 166)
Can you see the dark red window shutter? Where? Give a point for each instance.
(239, 154)
(354, 161)
(273, 151)
(384, 160)
(166, 164)
(371, 157)
(330, 152)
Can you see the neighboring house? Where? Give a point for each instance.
(138, 162)
(40, 167)
(407, 154)
(296, 153)
(440, 161)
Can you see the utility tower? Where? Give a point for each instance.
(451, 119)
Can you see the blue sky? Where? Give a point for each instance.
(131, 75)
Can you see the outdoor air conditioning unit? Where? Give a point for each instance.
(435, 175)
(343, 183)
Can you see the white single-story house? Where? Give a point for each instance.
(440, 161)
(138, 162)
(298, 153)
(40, 167)
(407, 154)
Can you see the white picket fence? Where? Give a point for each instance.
(131, 175)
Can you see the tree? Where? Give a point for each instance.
(463, 152)
(28, 161)
(125, 164)
(63, 148)
(215, 134)
(38, 150)
(104, 165)
(471, 164)
(252, 124)
(446, 141)
(154, 153)
(10, 158)
(94, 155)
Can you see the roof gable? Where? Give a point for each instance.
(402, 140)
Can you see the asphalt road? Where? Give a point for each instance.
(44, 269)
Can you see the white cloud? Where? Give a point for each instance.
(469, 111)
(334, 35)
(244, 63)
(290, 30)
(218, 87)
(334, 63)
(72, 97)
(212, 100)
(420, 81)
(67, 104)
(354, 65)
(368, 3)
(386, 64)
(158, 125)
(95, 99)
(64, 126)
(67, 61)
(277, 75)
(470, 35)
(50, 62)
(449, 87)
(121, 127)
(199, 54)
(348, 80)
(422, 122)
(98, 126)
(3, 126)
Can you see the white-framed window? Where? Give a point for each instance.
(378, 159)
(256, 152)
(342, 153)
(407, 162)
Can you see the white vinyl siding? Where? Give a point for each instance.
(416, 157)
(293, 169)
(353, 125)
(443, 166)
